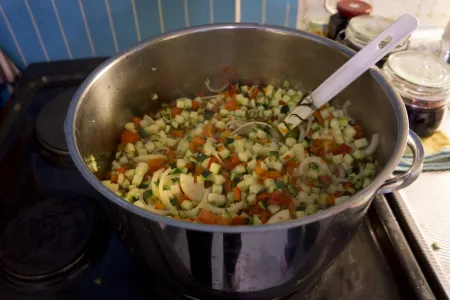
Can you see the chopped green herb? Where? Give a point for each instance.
(144, 185)
(435, 246)
(284, 109)
(201, 157)
(143, 133)
(98, 281)
(148, 194)
(205, 174)
(228, 141)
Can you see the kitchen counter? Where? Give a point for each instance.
(425, 207)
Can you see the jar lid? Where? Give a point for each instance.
(353, 8)
(419, 75)
(361, 30)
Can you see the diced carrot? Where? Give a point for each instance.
(287, 157)
(154, 165)
(208, 130)
(291, 166)
(136, 122)
(206, 217)
(237, 194)
(271, 174)
(254, 93)
(212, 160)
(231, 103)
(325, 179)
(216, 107)
(121, 170)
(198, 170)
(343, 149)
(264, 216)
(348, 186)
(316, 143)
(263, 196)
(114, 178)
(279, 198)
(129, 137)
(221, 148)
(195, 105)
(359, 134)
(318, 117)
(196, 142)
(183, 198)
(238, 220)
(190, 166)
(338, 194)
(159, 205)
(171, 156)
(227, 186)
(176, 111)
(235, 160)
(330, 200)
(177, 133)
(260, 171)
(323, 107)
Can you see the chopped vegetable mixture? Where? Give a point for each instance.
(184, 162)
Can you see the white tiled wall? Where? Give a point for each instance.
(430, 12)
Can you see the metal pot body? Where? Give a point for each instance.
(252, 262)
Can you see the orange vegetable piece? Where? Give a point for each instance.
(176, 111)
(231, 103)
(318, 117)
(154, 165)
(208, 130)
(227, 186)
(260, 171)
(237, 220)
(196, 142)
(121, 170)
(271, 174)
(330, 200)
(237, 194)
(206, 217)
(159, 205)
(183, 198)
(136, 123)
(177, 133)
(279, 198)
(114, 178)
(129, 137)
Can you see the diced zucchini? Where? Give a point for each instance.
(217, 188)
(361, 143)
(257, 220)
(215, 168)
(273, 208)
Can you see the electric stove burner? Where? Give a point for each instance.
(52, 241)
(49, 127)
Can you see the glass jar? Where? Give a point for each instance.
(346, 9)
(423, 81)
(362, 30)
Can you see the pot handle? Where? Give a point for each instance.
(414, 171)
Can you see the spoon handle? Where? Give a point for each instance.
(355, 66)
(364, 59)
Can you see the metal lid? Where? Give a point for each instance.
(361, 30)
(353, 8)
(419, 76)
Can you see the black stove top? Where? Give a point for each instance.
(56, 244)
(54, 240)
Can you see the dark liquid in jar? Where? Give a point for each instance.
(424, 122)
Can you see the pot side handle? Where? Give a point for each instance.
(405, 179)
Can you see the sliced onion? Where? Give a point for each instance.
(308, 126)
(160, 149)
(194, 212)
(345, 106)
(234, 122)
(152, 209)
(195, 191)
(210, 97)
(163, 195)
(302, 134)
(341, 171)
(234, 208)
(373, 144)
(155, 177)
(147, 157)
(314, 160)
(216, 155)
(207, 82)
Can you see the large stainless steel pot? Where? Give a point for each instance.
(258, 262)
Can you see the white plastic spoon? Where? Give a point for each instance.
(339, 80)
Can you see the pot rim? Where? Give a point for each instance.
(368, 192)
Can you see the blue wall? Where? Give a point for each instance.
(46, 30)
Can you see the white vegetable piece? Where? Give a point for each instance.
(281, 216)
(193, 190)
